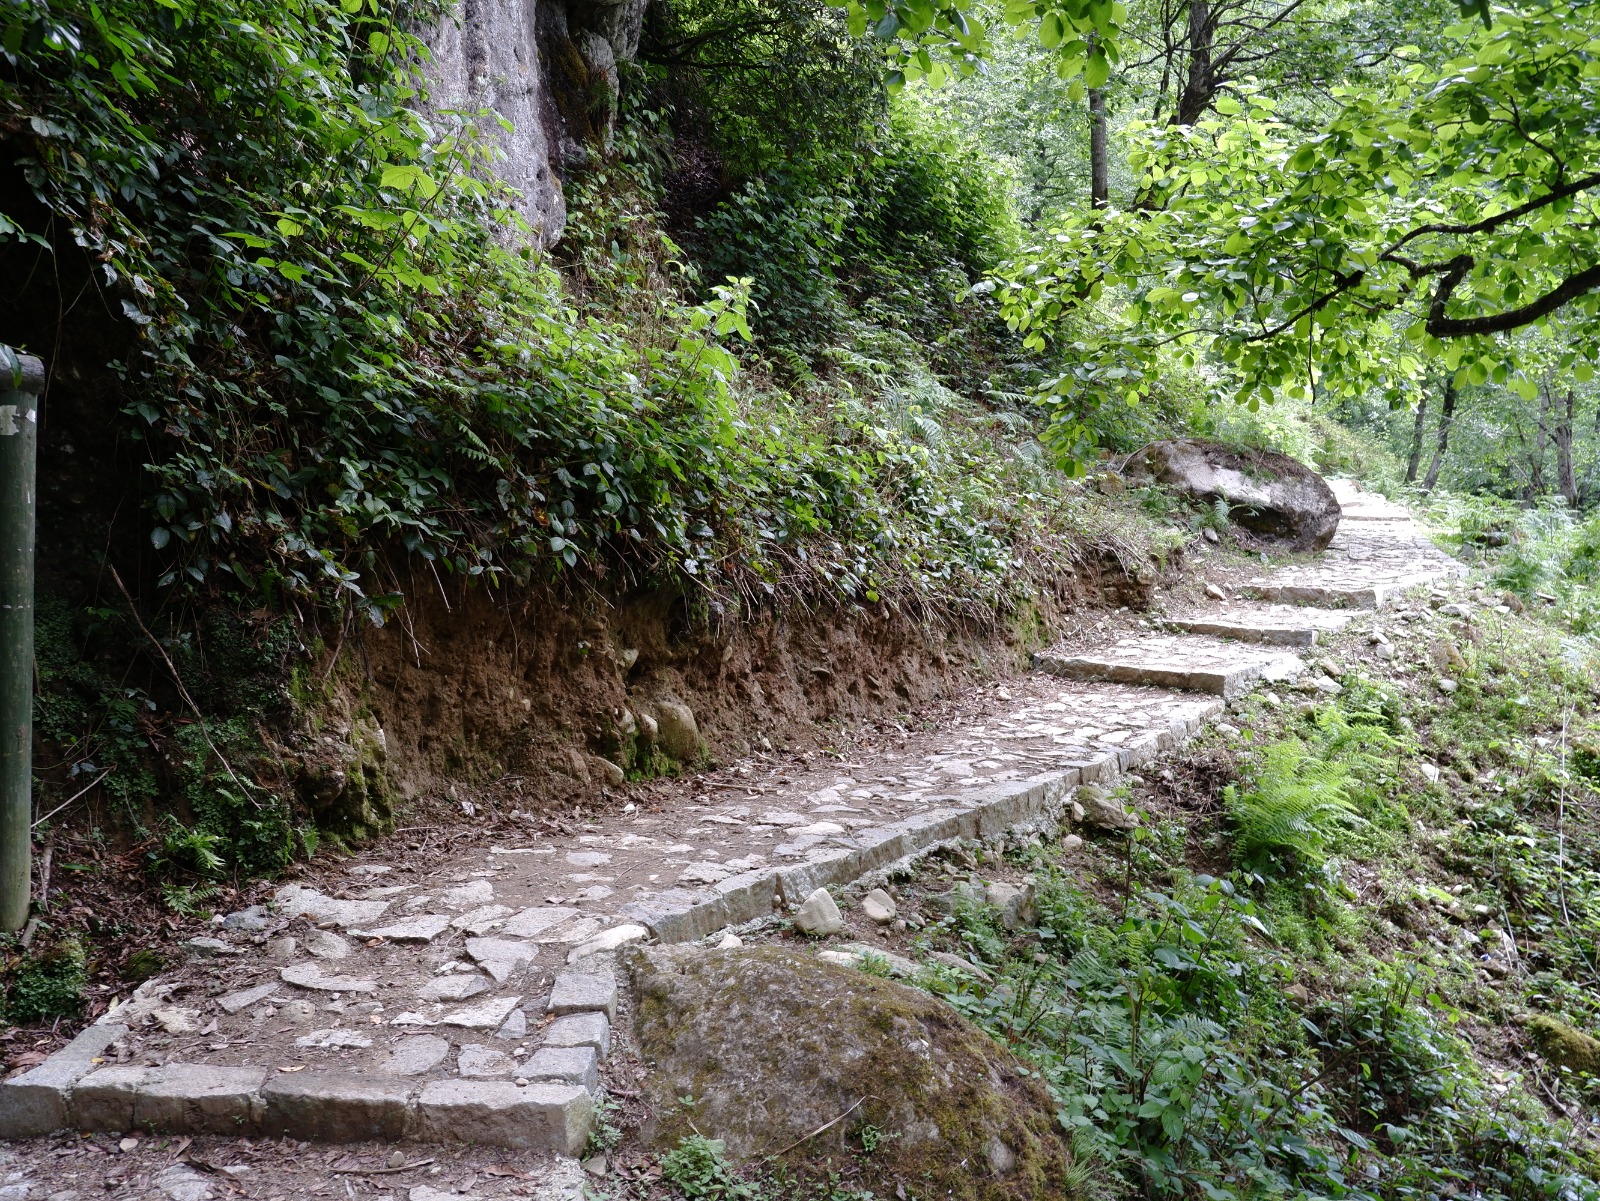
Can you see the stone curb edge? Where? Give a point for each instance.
(74, 1089)
(1034, 805)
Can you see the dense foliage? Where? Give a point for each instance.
(340, 354)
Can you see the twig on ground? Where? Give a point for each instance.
(821, 1128)
(405, 1167)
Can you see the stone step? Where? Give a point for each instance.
(1342, 590)
(1190, 662)
(548, 1107)
(1274, 625)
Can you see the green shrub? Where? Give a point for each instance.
(697, 1170)
(894, 233)
(49, 985)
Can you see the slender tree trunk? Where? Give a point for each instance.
(1566, 480)
(1415, 459)
(1201, 84)
(1589, 472)
(1447, 414)
(1099, 163)
(1541, 443)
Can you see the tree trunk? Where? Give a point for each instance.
(1415, 459)
(1201, 84)
(1099, 163)
(1566, 480)
(1446, 416)
(1541, 442)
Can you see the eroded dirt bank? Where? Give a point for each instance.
(556, 698)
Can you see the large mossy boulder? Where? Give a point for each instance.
(1277, 502)
(1562, 1044)
(779, 1053)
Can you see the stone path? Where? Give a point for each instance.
(475, 1003)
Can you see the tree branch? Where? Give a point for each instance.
(1440, 326)
(1489, 224)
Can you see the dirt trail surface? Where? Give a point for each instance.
(473, 1001)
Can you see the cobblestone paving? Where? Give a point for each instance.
(474, 1002)
(1378, 553)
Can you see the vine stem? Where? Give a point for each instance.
(172, 669)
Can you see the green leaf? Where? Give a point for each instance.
(1098, 69)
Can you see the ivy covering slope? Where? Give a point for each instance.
(344, 350)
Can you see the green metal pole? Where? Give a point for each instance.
(19, 438)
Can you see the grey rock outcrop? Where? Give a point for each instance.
(775, 1045)
(549, 68)
(1275, 501)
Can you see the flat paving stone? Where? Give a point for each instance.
(580, 1030)
(414, 1055)
(234, 1002)
(334, 1037)
(485, 1015)
(483, 919)
(471, 895)
(608, 940)
(422, 929)
(325, 944)
(502, 958)
(313, 976)
(319, 907)
(584, 992)
(455, 987)
(567, 1065)
(476, 1061)
(531, 923)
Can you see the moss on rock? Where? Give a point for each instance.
(781, 1053)
(1564, 1045)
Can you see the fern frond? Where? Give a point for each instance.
(1296, 806)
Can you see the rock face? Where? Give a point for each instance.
(1279, 503)
(774, 1044)
(549, 68)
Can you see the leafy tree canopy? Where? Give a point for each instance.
(1422, 214)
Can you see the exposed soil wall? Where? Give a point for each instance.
(561, 691)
